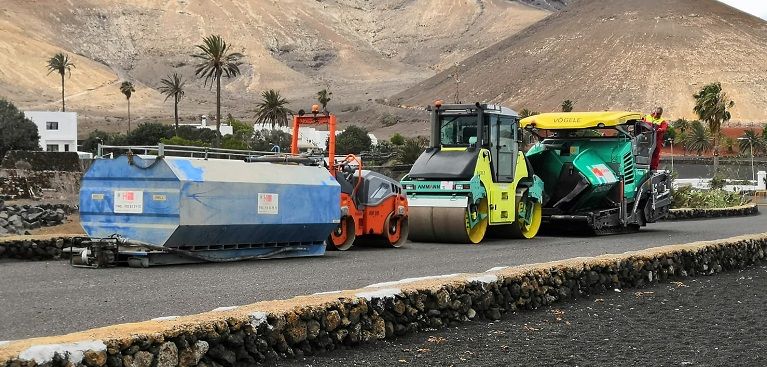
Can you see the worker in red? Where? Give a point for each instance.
(660, 126)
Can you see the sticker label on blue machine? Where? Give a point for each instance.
(131, 202)
(268, 203)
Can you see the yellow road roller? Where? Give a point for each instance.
(473, 180)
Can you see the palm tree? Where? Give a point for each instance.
(127, 89)
(526, 113)
(712, 106)
(567, 106)
(215, 62)
(323, 97)
(60, 63)
(698, 139)
(272, 109)
(173, 86)
(751, 139)
(682, 125)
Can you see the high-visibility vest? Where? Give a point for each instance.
(649, 118)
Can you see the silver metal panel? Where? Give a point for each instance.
(447, 202)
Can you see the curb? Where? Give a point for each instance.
(307, 325)
(698, 213)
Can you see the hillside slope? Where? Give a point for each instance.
(618, 54)
(361, 50)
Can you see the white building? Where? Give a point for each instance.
(58, 130)
(224, 128)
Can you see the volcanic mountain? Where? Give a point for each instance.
(617, 54)
(361, 50)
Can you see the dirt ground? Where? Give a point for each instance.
(706, 321)
(71, 226)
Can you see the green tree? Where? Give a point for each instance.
(177, 140)
(567, 106)
(384, 148)
(173, 86)
(682, 126)
(150, 133)
(412, 149)
(216, 62)
(729, 144)
(192, 133)
(127, 89)
(698, 138)
(265, 140)
(18, 132)
(242, 135)
(527, 113)
(323, 97)
(272, 109)
(353, 140)
(397, 139)
(712, 106)
(749, 140)
(60, 63)
(97, 137)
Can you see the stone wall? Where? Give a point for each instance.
(695, 213)
(37, 247)
(60, 186)
(16, 219)
(269, 331)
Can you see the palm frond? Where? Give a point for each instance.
(60, 63)
(215, 61)
(127, 89)
(172, 86)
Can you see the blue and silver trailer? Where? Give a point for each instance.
(152, 209)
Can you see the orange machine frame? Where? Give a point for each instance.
(369, 220)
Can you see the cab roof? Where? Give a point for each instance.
(579, 120)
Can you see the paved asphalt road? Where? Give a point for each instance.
(45, 298)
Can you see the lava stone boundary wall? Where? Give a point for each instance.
(695, 213)
(18, 184)
(37, 247)
(268, 331)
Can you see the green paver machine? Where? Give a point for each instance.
(596, 171)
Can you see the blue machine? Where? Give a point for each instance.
(170, 210)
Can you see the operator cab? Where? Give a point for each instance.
(458, 130)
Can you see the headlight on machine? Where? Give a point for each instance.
(461, 187)
(408, 186)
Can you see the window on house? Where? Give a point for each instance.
(66, 147)
(52, 125)
(52, 148)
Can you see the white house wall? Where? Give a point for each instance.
(65, 134)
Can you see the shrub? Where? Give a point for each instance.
(389, 120)
(150, 133)
(177, 140)
(264, 140)
(687, 197)
(412, 149)
(97, 136)
(397, 139)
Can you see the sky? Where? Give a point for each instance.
(755, 7)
